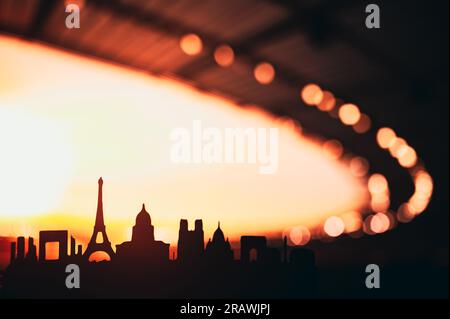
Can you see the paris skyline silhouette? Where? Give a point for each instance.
(142, 266)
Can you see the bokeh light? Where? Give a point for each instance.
(379, 223)
(327, 103)
(406, 213)
(300, 235)
(408, 158)
(377, 184)
(423, 184)
(264, 73)
(380, 202)
(224, 55)
(352, 221)
(312, 94)
(349, 114)
(333, 149)
(191, 44)
(386, 137)
(363, 125)
(419, 203)
(398, 147)
(334, 226)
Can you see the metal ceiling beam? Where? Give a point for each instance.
(177, 29)
(44, 9)
(299, 18)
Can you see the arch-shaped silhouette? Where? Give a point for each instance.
(49, 236)
(99, 238)
(258, 243)
(98, 256)
(253, 255)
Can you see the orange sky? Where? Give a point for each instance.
(66, 120)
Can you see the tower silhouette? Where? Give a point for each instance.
(99, 228)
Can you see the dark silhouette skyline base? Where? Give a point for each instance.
(171, 280)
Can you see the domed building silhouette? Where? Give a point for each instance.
(219, 249)
(143, 246)
(143, 230)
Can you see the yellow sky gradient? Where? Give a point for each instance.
(67, 120)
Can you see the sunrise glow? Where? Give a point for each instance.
(66, 120)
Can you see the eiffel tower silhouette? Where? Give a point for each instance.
(99, 228)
